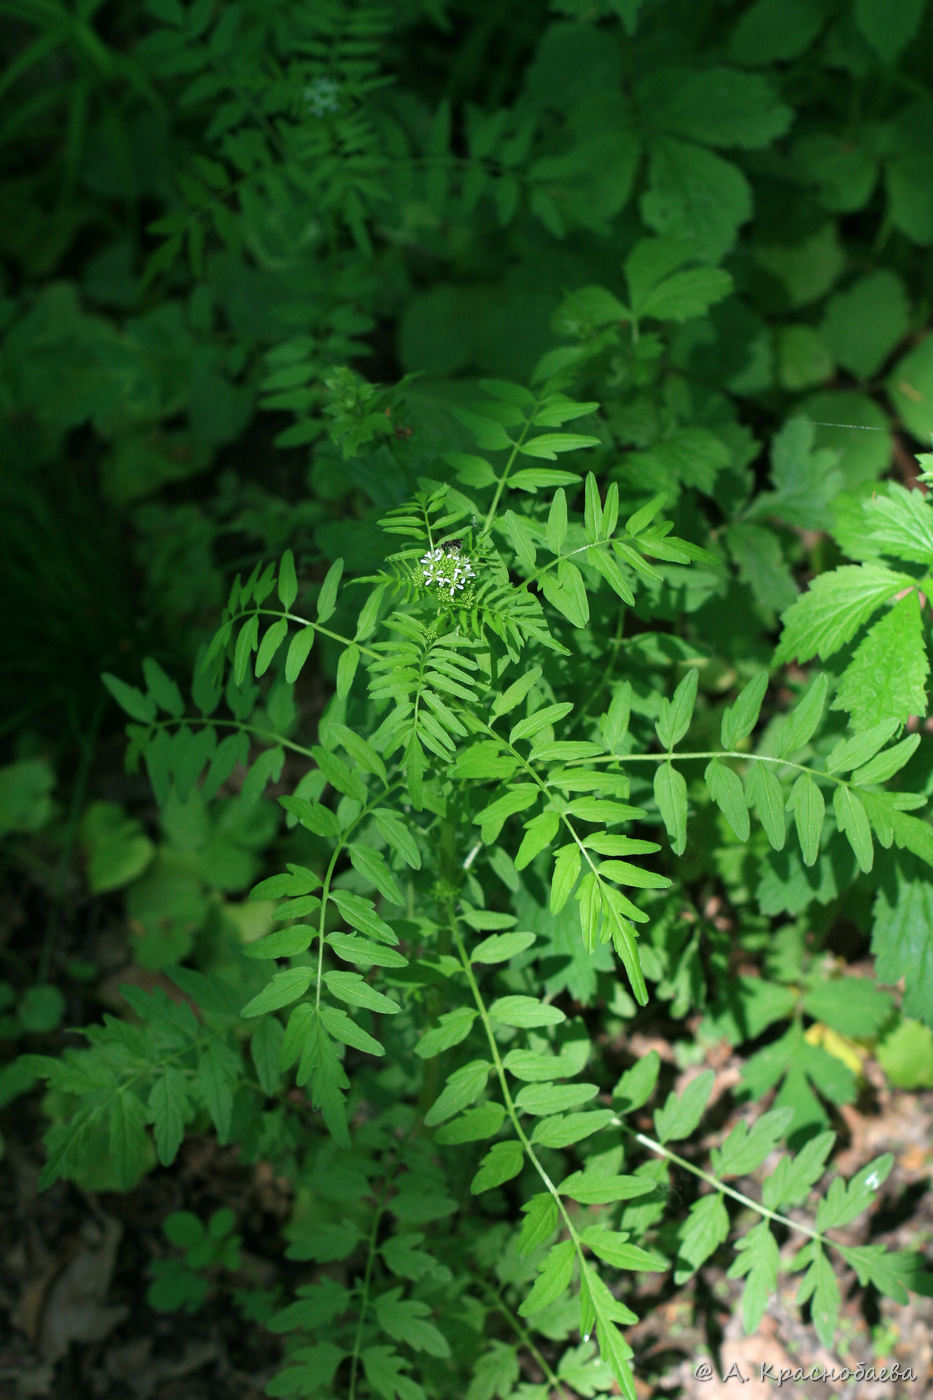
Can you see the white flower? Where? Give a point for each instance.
(450, 571)
(322, 96)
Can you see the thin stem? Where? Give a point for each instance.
(661, 1151)
(501, 483)
(507, 1099)
(523, 1335)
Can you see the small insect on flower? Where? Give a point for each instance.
(453, 546)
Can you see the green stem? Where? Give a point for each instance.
(501, 483)
(507, 1099)
(661, 1151)
(524, 1336)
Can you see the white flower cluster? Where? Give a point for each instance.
(446, 570)
(322, 95)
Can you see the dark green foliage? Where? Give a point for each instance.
(602, 612)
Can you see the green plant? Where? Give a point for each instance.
(181, 1284)
(474, 803)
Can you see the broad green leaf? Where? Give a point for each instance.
(541, 1220)
(623, 872)
(565, 1129)
(763, 792)
(398, 836)
(676, 713)
(833, 609)
(844, 1202)
(552, 1281)
(215, 1078)
(168, 1107)
(342, 1028)
(361, 913)
(405, 1320)
(888, 31)
(130, 699)
(793, 1177)
(592, 509)
(557, 521)
(162, 688)
(891, 1271)
(483, 1121)
(530, 726)
(266, 768)
(863, 324)
(884, 765)
(695, 195)
(614, 1249)
(462, 1087)
(487, 433)
(594, 1189)
(637, 1084)
(245, 646)
(501, 947)
(616, 1352)
(316, 1368)
(557, 409)
(515, 693)
(757, 1262)
(453, 1027)
(539, 833)
(566, 872)
(567, 592)
(725, 788)
(806, 803)
(327, 598)
(805, 716)
(704, 1230)
(548, 445)
(670, 793)
(681, 1113)
(886, 678)
(265, 1047)
(313, 815)
(288, 582)
(821, 1288)
(286, 986)
(545, 1098)
(373, 868)
(860, 748)
(502, 1162)
(272, 640)
(346, 669)
(533, 1066)
(525, 1012)
(605, 564)
(128, 1142)
(852, 819)
(740, 719)
(724, 107)
(298, 650)
(369, 615)
(351, 988)
(854, 1006)
(362, 951)
(900, 522)
(282, 943)
(745, 1149)
(685, 294)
